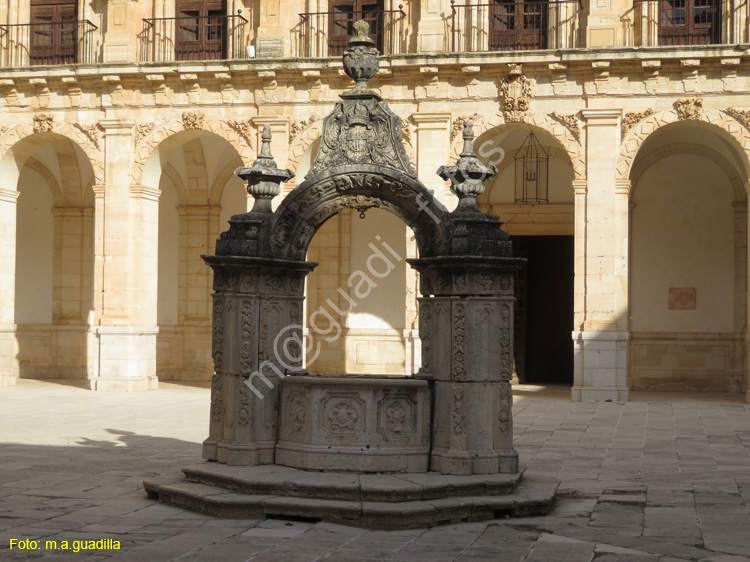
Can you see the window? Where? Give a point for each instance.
(518, 25)
(689, 22)
(53, 32)
(341, 23)
(200, 30)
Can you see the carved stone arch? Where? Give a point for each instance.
(358, 187)
(90, 147)
(303, 141)
(635, 138)
(162, 131)
(735, 179)
(554, 128)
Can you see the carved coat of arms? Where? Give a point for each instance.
(516, 92)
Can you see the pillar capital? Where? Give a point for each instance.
(601, 117)
(8, 195)
(117, 126)
(145, 193)
(431, 120)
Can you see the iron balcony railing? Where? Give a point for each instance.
(213, 37)
(325, 34)
(678, 22)
(514, 25)
(61, 42)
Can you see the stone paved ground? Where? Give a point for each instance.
(663, 478)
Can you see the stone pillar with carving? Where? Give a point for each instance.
(8, 344)
(466, 327)
(257, 326)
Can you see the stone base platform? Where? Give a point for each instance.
(373, 501)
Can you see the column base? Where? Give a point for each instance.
(8, 355)
(245, 455)
(464, 464)
(8, 380)
(600, 366)
(122, 358)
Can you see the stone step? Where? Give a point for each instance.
(291, 482)
(533, 496)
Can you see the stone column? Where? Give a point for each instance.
(122, 343)
(467, 333)
(601, 336)
(8, 343)
(257, 338)
(432, 151)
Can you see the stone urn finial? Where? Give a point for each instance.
(361, 58)
(264, 178)
(467, 177)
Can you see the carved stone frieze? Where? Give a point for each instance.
(242, 127)
(142, 130)
(243, 408)
(93, 133)
(457, 126)
(457, 411)
(247, 341)
(342, 417)
(743, 116)
(193, 120)
(689, 109)
(298, 126)
(504, 407)
(629, 120)
(216, 399)
(217, 343)
(406, 130)
(570, 121)
(43, 122)
(516, 92)
(506, 345)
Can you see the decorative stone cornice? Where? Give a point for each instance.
(458, 124)
(193, 120)
(630, 119)
(570, 121)
(689, 109)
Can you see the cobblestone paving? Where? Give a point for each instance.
(663, 478)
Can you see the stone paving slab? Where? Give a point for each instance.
(71, 463)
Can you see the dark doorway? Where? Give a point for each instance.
(201, 30)
(544, 310)
(343, 15)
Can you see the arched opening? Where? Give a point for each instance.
(199, 192)
(688, 261)
(54, 255)
(360, 301)
(543, 234)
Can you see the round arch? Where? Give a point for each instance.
(359, 187)
(19, 143)
(717, 121)
(553, 128)
(164, 139)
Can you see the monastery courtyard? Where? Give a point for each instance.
(662, 478)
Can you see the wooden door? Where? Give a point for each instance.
(53, 32)
(344, 13)
(689, 22)
(200, 30)
(518, 25)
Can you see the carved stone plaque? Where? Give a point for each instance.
(682, 298)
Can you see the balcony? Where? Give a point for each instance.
(61, 42)
(325, 34)
(681, 22)
(193, 38)
(515, 26)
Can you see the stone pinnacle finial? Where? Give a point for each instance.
(361, 58)
(468, 135)
(264, 178)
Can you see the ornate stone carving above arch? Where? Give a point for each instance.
(641, 131)
(83, 135)
(554, 127)
(303, 141)
(151, 139)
